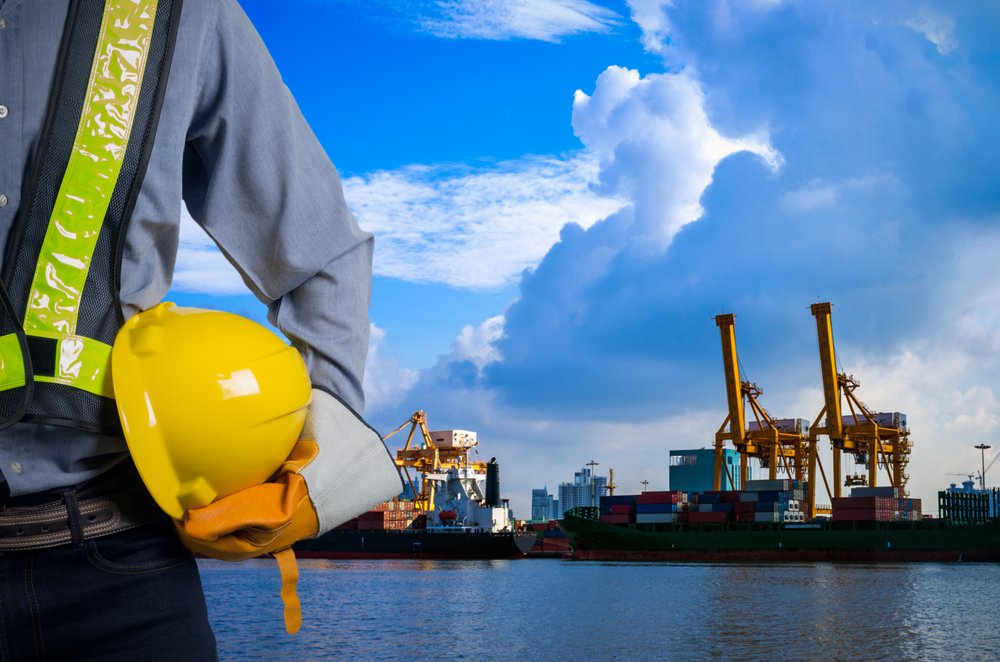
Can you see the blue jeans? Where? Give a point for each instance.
(134, 595)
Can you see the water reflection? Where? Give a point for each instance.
(556, 610)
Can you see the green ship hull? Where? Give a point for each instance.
(862, 542)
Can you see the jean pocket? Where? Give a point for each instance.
(143, 550)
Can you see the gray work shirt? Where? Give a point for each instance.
(233, 144)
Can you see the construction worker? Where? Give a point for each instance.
(111, 113)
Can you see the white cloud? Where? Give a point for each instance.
(477, 343)
(201, 267)
(814, 195)
(474, 228)
(656, 146)
(937, 29)
(545, 20)
(385, 380)
(948, 408)
(651, 17)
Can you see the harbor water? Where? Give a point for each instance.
(552, 609)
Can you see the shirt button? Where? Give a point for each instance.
(3, 24)
(3, 112)
(15, 467)
(3, 200)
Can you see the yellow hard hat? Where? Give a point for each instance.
(211, 403)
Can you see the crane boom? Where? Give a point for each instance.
(878, 440)
(734, 398)
(776, 444)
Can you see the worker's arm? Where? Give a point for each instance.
(258, 181)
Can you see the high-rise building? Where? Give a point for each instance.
(542, 505)
(693, 470)
(585, 490)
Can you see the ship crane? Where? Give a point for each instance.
(778, 445)
(429, 459)
(881, 440)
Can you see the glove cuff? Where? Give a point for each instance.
(354, 471)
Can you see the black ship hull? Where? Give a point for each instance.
(415, 544)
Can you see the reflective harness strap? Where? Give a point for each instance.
(71, 225)
(95, 162)
(102, 137)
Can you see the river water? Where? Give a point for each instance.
(534, 609)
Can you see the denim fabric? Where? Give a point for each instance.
(134, 595)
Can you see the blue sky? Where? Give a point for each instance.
(564, 193)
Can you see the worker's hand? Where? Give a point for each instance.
(258, 520)
(338, 469)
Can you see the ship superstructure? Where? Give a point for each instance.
(454, 491)
(453, 508)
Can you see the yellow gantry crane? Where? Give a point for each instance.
(875, 439)
(775, 444)
(427, 457)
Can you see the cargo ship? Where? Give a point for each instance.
(873, 525)
(453, 508)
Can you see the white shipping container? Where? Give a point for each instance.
(655, 518)
(792, 425)
(453, 438)
(891, 419)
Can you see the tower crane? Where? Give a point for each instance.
(772, 442)
(875, 439)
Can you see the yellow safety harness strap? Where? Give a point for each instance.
(289, 589)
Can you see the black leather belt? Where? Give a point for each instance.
(52, 523)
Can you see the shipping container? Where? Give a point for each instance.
(453, 438)
(707, 518)
(609, 500)
(655, 518)
(790, 425)
(649, 508)
(777, 484)
(661, 497)
(889, 491)
(863, 515)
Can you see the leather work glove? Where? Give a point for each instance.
(338, 469)
(259, 520)
(266, 518)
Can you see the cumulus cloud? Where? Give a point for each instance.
(656, 146)
(201, 268)
(651, 17)
(884, 203)
(544, 20)
(474, 228)
(385, 380)
(478, 343)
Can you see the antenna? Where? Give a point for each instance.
(593, 484)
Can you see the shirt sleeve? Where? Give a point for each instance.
(258, 181)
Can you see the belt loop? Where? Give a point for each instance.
(75, 525)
